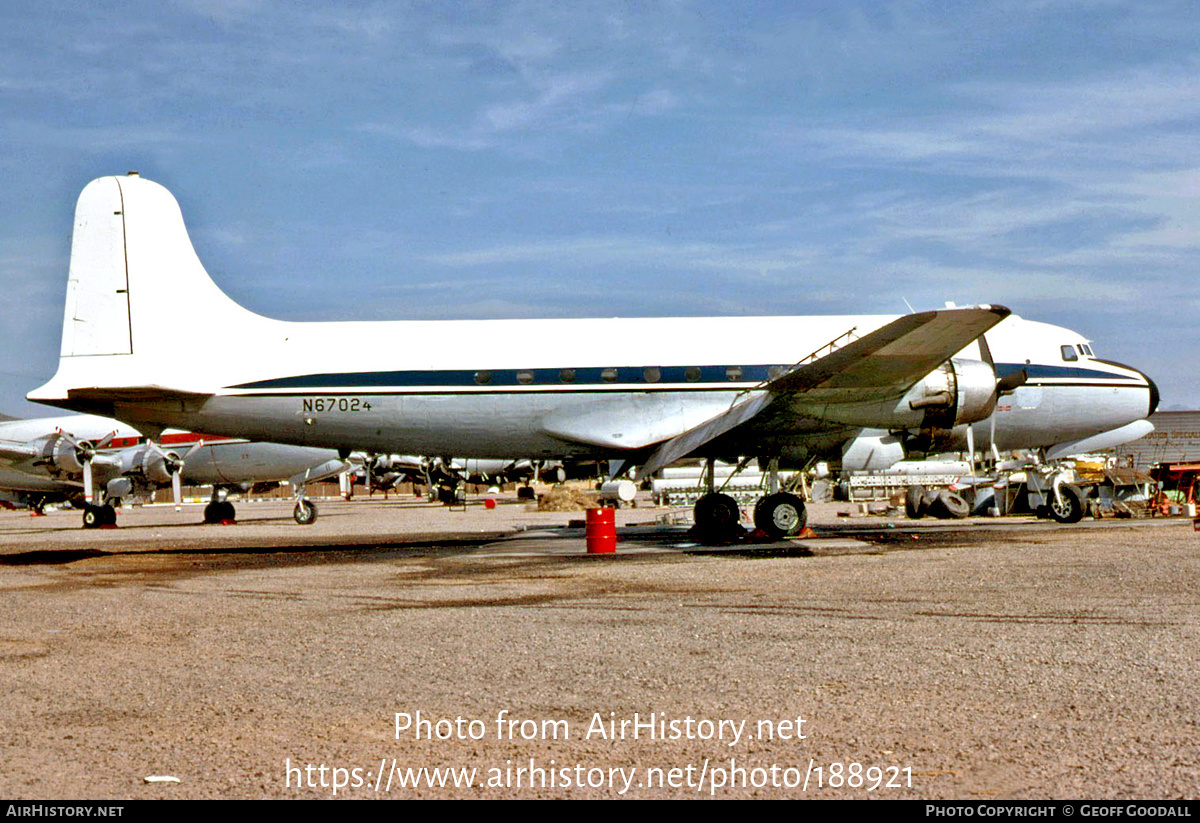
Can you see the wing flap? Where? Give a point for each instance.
(692, 439)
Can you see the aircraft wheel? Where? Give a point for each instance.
(214, 512)
(1070, 509)
(949, 506)
(219, 511)
(716, 514)
(93, 516)
(780, 515)
(914, 502)
(305, 512)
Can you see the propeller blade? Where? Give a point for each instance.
(177, 489)
(195, 448)
(971, 446)
(992, 439)
(87, 481)
(1011, 382)
(985, 351)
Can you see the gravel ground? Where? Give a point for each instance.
(982, 659)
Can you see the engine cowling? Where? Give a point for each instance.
(149, 464)
(957, 392)
(62, 457)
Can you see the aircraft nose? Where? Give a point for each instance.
(1154, 395)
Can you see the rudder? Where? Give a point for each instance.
(96, 318)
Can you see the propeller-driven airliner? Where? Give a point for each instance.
(642, 392)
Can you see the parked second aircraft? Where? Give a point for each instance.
(94, 460)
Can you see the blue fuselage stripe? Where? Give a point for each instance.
(643, 377)
(582, 377)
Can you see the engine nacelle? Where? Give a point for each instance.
(61, 457)
(148, 464)
(958, 392)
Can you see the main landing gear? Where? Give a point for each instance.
(219, 509)
(95, 517)
(778, 515)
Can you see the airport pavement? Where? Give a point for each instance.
(993, 659)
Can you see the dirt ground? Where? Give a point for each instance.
(352, 658)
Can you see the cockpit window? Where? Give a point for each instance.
(1068, 353)
(1087, 350)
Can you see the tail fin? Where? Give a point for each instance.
(96, 320)
(133, 281)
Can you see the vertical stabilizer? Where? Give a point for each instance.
(135, 291)
(96, 320)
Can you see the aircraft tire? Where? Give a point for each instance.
(914, 502)
(93, 516)
(950, 506)
(1071, 509)
(716, 514)
(219, 512)
(305, 512)
(780, 515)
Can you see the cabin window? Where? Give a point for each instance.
(524, 377)
(733, 373)
(692, 374)
(775, 371)
(608, 375)
(652, 374)
(566, 376)
(483, 377)
(1068, 353)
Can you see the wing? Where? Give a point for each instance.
(879, 366)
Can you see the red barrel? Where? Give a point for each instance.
(601, 531)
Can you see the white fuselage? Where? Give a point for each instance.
(597, 387)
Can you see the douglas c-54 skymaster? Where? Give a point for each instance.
(645, 391)
(93, 461)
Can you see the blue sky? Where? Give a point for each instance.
(505, 159)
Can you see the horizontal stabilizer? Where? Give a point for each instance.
(136, 394)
